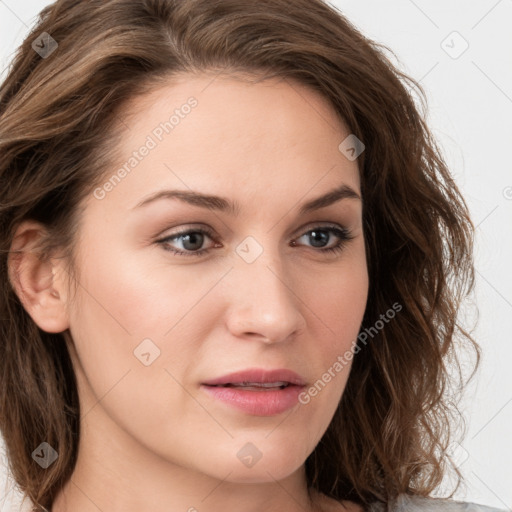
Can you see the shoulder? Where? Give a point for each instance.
(413, 503)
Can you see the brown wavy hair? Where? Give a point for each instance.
(60, 118)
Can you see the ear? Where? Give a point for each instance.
(39, 284)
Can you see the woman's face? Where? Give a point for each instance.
(253, 291)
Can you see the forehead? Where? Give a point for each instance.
(227, 136)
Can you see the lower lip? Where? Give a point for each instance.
(258, 403)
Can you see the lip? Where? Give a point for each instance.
(262, 402)
(260, 375)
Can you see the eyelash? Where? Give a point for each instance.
(343, 233)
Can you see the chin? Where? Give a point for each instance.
(258, 465)
(268, 473)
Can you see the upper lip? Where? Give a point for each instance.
(258, 375)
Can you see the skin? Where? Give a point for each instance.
(151, 438)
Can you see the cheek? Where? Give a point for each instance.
(139, 296)
(339, 300)
(337, 303)
(123, 316)
(122, 303)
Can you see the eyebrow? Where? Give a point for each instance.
(223, 204)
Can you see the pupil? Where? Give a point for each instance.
(322, 234)
(193, 238)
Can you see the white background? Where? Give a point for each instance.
(470, 110)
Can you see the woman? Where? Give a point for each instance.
(295, 357)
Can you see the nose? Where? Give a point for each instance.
(263, 302)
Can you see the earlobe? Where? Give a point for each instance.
(35, 281)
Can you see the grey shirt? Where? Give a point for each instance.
(410, 503)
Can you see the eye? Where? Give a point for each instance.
(319, 235)
(193, 239)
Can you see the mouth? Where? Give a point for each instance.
(253, 386)
(258, 378)
(257, 392)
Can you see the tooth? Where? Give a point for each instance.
(259, 384)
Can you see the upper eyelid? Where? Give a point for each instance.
(304, 229)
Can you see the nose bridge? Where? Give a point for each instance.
(263, 301)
